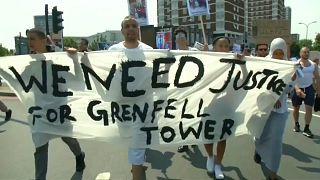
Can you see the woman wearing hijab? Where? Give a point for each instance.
(269, 145)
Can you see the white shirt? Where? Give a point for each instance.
(126, 129)
(120, 46)
(307, 79)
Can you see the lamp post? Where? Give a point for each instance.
(307, 27)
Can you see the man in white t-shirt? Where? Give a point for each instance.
(304, 90)
(130, 32)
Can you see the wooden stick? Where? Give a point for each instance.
(203, 33)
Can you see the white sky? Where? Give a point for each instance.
(84, 18)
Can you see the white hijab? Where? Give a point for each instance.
(278, 43)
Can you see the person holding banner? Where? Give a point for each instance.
(37, 41)
(304, 90)
(130, 32)
(269, 144)
(5, 109)
(182, 44)
(220, 44)
(83, 46)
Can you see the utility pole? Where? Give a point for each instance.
(19, 43)
(47, 19)
(307, 27)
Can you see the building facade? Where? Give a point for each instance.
(104, 39)
(288, 13)
(21, 45)
(264, 9)
(225, 18)
(40, 22)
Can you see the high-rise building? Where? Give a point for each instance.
(288, 13)
(21, 45)
(226, 18)
(264, 9)
(40, 22)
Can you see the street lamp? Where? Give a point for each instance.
(307, 27)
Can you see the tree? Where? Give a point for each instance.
(295, 49)
(305, 43)
(94, 45)
(70, 42)
(316, 44)
(4, 51)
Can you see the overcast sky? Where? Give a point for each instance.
(83, 19)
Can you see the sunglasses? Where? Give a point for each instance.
(262, 49)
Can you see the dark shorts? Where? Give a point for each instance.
(308, 100)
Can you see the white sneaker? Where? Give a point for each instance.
(103, 176)
(218, 172)
(210, 164)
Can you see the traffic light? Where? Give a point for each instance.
(56, 20)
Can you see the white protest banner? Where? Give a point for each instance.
(138, 9)
(198, 7)
(146, 98)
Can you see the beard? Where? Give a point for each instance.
(132, 37)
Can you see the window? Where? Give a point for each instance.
(220, 15)
(220, 25)
(208, 25)
(208, 17)
(175, 21)
(184, 11)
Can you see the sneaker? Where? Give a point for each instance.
(183, 149)
(296, 128)
(218, 172)
(8, 115)
(257, 158)
(307, 133)
(80, 165)
(270, 178)
(210, 164)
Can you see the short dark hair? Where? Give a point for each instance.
(218, 38)
(38, 32)
(128, 18)
(86, 42)
(257, 45)
(181, 30)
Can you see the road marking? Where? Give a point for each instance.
(315, 115)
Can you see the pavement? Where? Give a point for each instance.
(300, 160)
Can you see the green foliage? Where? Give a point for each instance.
(70, 42)
(305, 43)
(295, 50)
(5, 52)
(316, 44)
